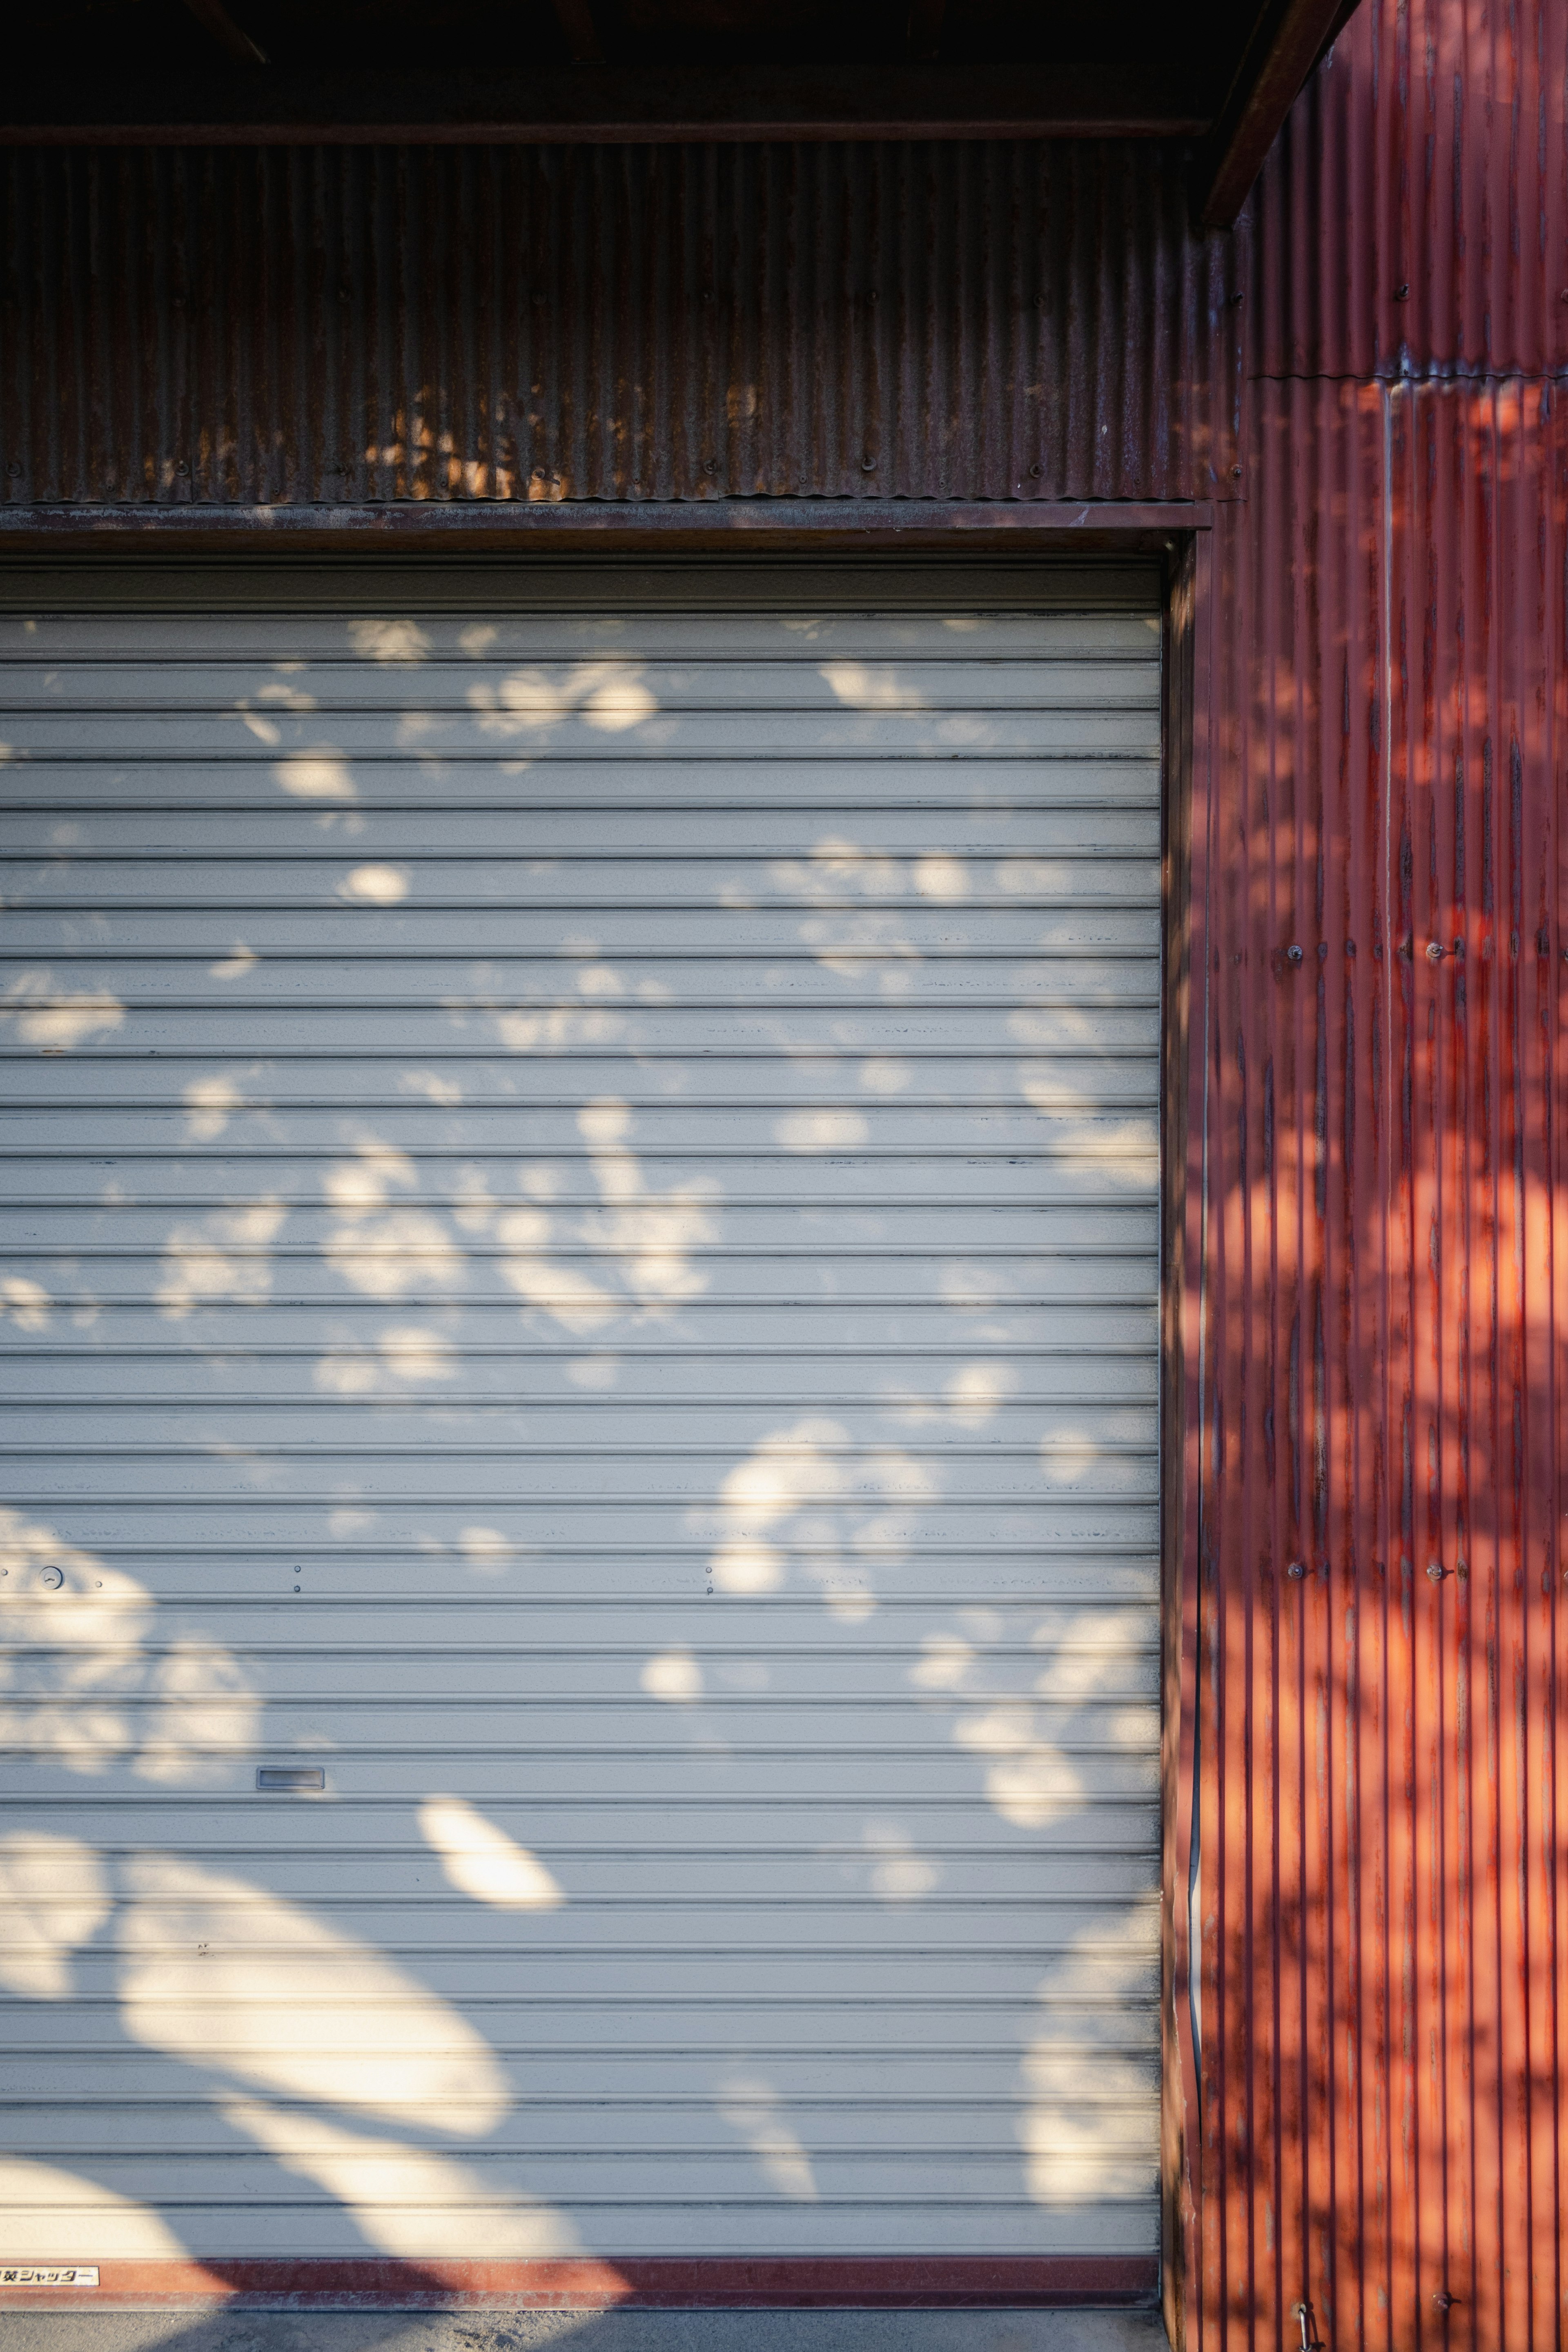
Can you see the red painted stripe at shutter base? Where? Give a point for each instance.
(648, 2282)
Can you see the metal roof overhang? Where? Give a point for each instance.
(1217, 79)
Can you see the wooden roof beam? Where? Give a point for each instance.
(289, 106)
(1286, 41)
(576, 20)
(217, 20)
(925, 28)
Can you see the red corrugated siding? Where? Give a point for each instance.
(1009, 320)
(1382, 1792)
(1383, 1804)
(1413, 219)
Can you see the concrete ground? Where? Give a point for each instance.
(215, 2329)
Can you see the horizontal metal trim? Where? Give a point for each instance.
(1108, 1108)
(421, 759)
(342, 1803)
(1072, 1644)
(473, 908)
(496, 1750)
(947, 2201)
(934, 656)
(325, 711)
(522, 1704)
(894, 1302)
(892, 1915)
(450, 1398)
(160, 1203)
(225, 1007)
(566, 1548)
(516, 803)
(558, 1850)
(1044, 1946)
(685, 1054)
(109, 1155)
(873, 952)
(525, 1450)
(903, 1555)
(87, 1350)
(646, 2103)
(841, 2152)
(347, 1242)
(913, 524)
(1115, 2002)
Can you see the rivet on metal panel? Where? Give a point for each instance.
(52, 1579)
(1401, 293)
(1435, 951)
(1436, 1571)
(1296, 1568)
(1236, 473)
(1443, 2300)
(1292, 954)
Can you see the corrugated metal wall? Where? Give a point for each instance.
(1382, 1305)
(1001, 321)
(1382, 1650)
(1383, 1644)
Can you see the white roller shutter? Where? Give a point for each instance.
(581, 1210)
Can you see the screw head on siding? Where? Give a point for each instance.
(1436, 1571)
(1297, 1569)
(1292, 954)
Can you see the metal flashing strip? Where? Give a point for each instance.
(1131, 526)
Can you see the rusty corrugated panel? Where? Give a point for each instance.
(986, 320)
(1413, 219)
(1384, 1656)
(1382, 1643)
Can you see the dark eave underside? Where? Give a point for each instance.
(285, 72)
